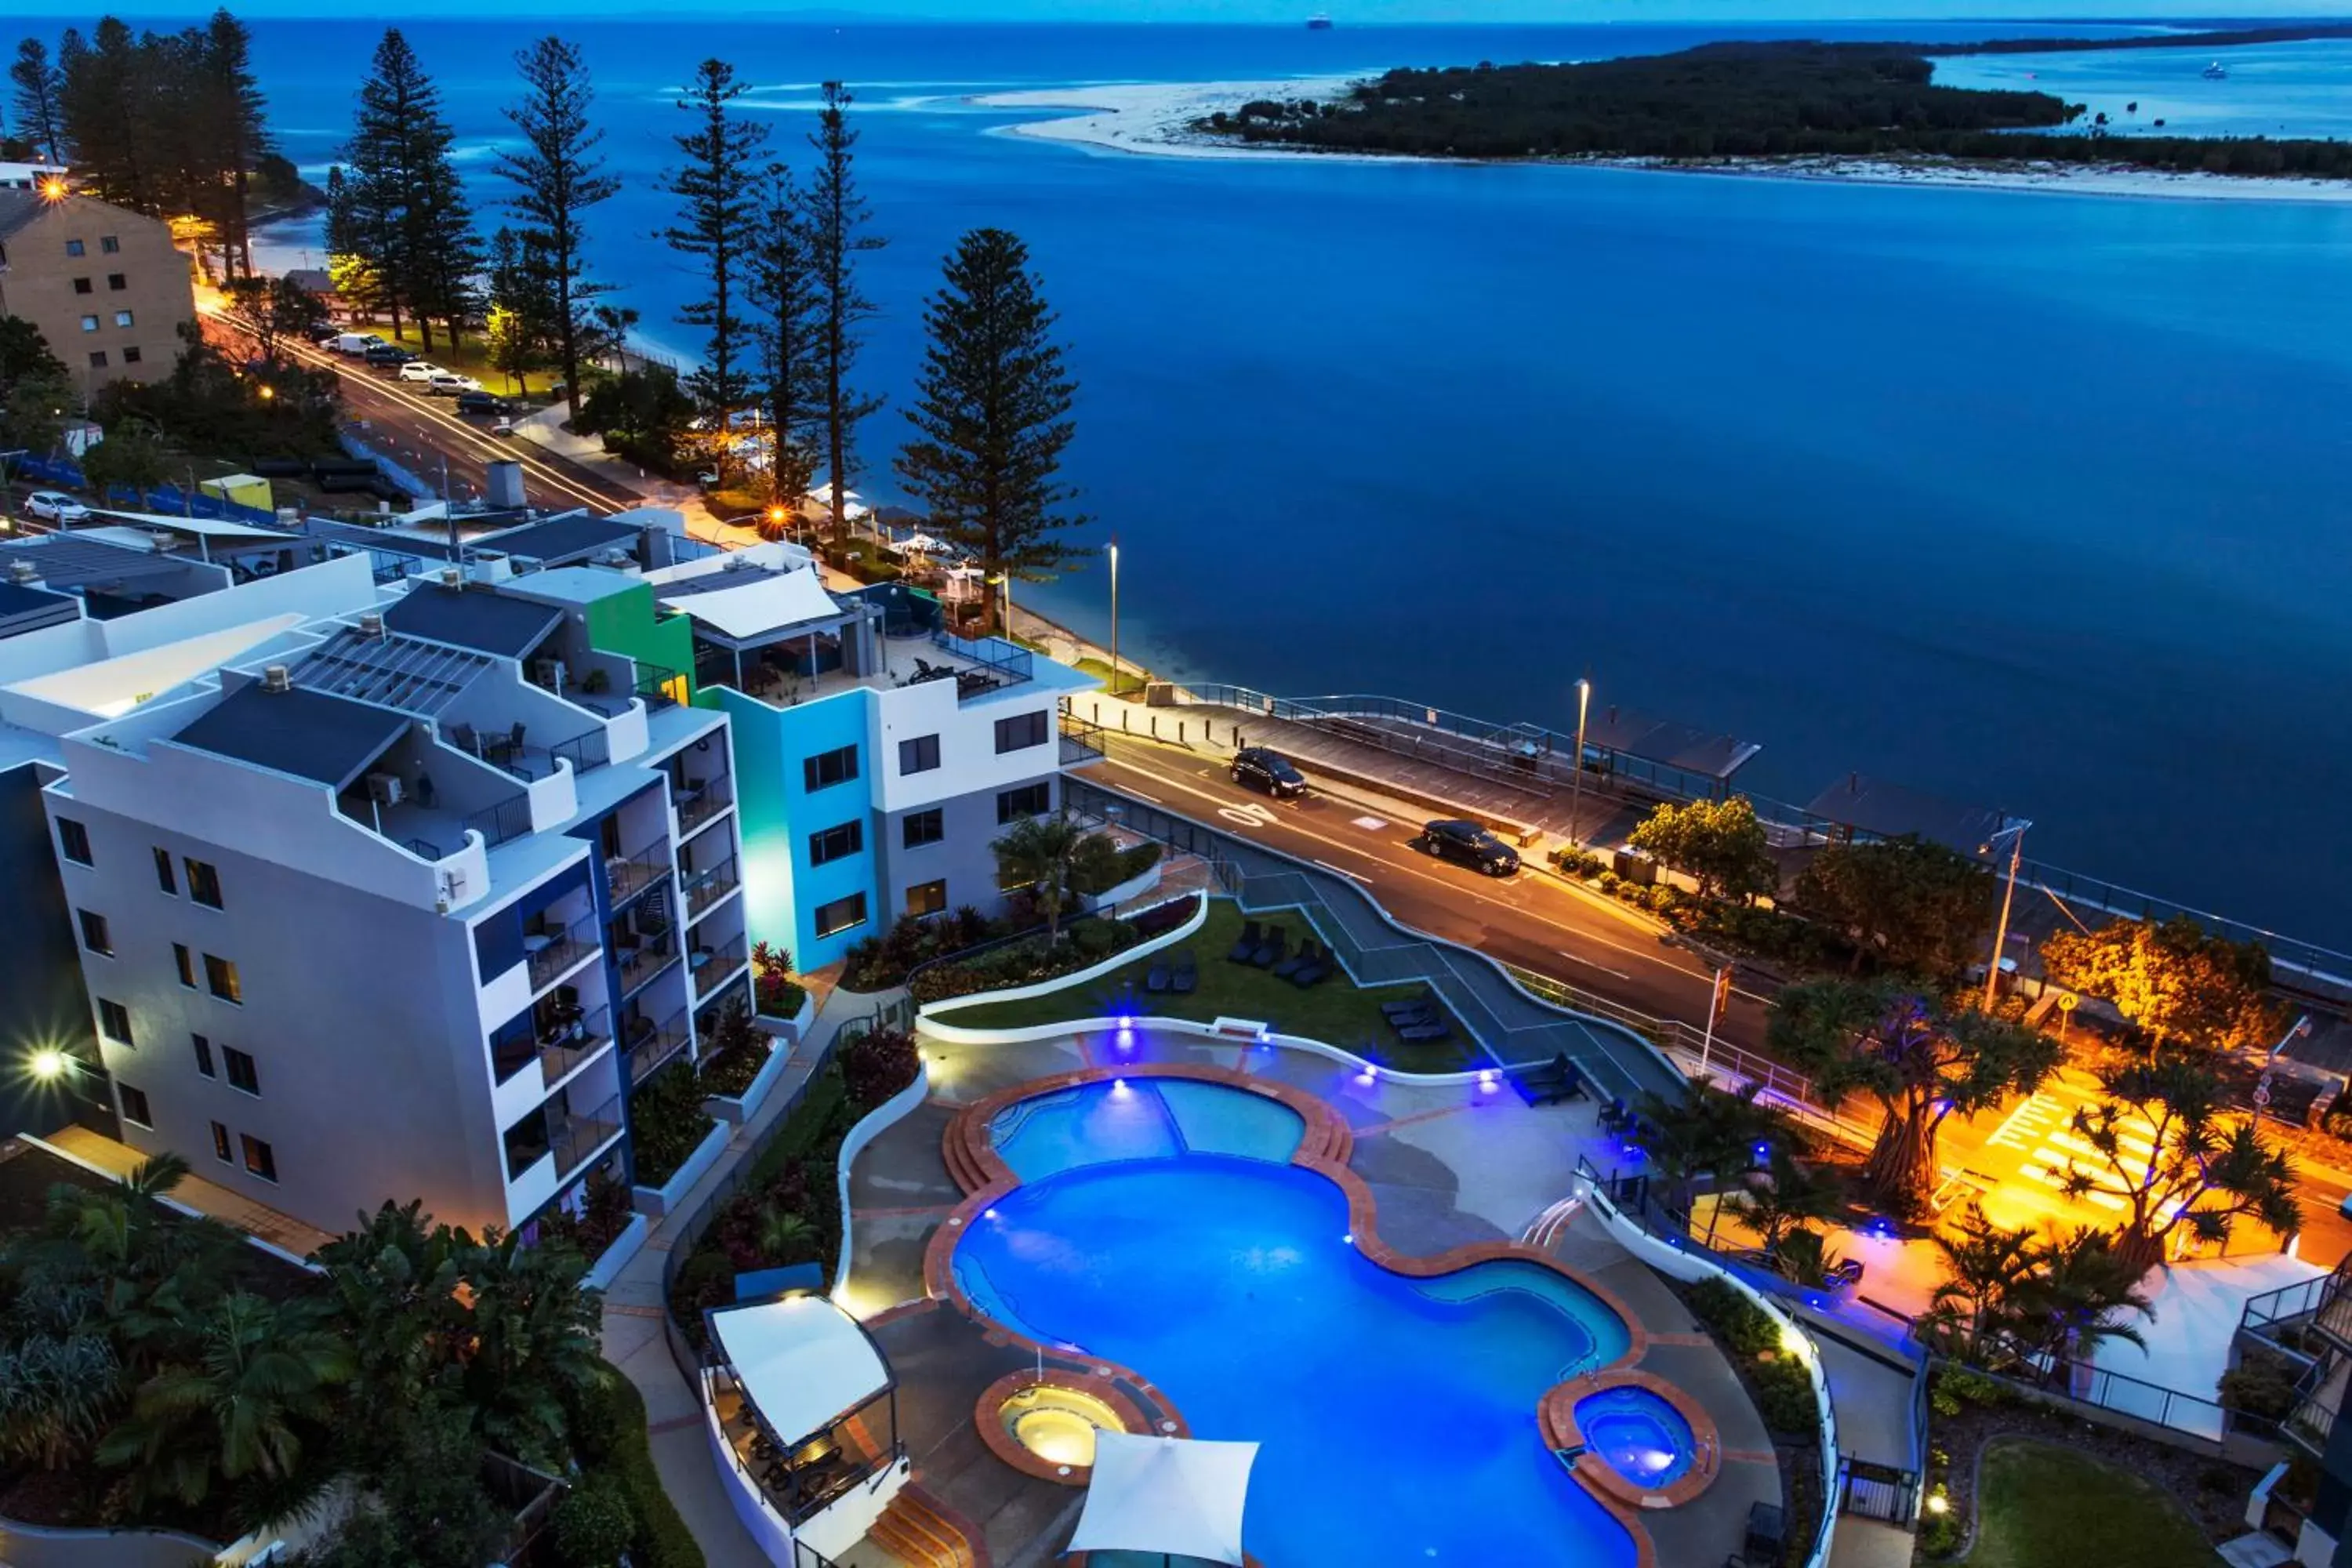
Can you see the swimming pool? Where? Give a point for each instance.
(1643, 1437)
(1397, 1416)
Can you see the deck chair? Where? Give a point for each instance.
(1187, 973)
(1271, 950)
(1156, 979)
(1247, 948)
(1402, 1010)
(1308, 950)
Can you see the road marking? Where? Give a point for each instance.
(1152, 798)
(1370, 824)
(1249, 814)
(1344, 871)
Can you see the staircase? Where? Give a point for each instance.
(913, 1531)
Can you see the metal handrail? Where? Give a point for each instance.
(575, 1138)
(627, 878)
(641, 964)
(706, 887)
(722, 963)
(655, 686)
(717, 792)
(565, 947)
(655, 1046)
(586, 752)
(506, 821)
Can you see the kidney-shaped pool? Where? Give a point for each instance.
(1396, 1415)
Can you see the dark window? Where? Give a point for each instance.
(527, 1143)
(927, 898)
(834, 843)
(1020, 732)
(220, 1144)
(220, 979)
(919, 755)
(117, 281)
(94, 934)
(130, 354)
(187, 963)
(74, 248)
(923, 827)
(73, 840)
(109, 244)
(84, 286)
(842, 914)
(203, 1058)
(114, 1022)
(97, 359)
(135, 1108)
(257, 1157)
(829, 768)
(242, 1073)
(163, 877)
(203, 884)
(1029, 800)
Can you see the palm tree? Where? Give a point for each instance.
(534, 1341)
(2081, 1293)
(1986, 1267)
(1804, 1258)
(782, 1233)
(1793, 1198)
(1038, 853)
(395, 1281)
(59, 1379)
(1709, 1131)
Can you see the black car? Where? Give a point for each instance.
(1270, 771)
(385, 355)
(1467, 844)
(482, 403)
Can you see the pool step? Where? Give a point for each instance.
(912, 1531)
(962, 1166)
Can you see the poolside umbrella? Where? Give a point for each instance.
(1178, 1496)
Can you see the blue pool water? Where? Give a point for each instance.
(1644, 1439)
(1397, 1417)
(1146, 1119)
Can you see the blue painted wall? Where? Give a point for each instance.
(782, 889)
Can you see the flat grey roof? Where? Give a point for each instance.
(1683, 746)
(380, 539)
(477, 618)
(306, 733)
(24, 609)
(1884, 810)
(562, 538)
(68, 563)
(407, 673)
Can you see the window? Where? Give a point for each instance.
(122, 319)
(117, 282)
(923, 827)
(74, 248)
(927, 898)
(242, 1073)
(1020, 732)
(135, 1109)
(842, 914)
(203, 884)
(130, 354)
(1029, 800)
(187, 963)
(84, 286)
(163, 877)
(108, 244)
(919, 755)
(829, 768)
(114, 1022)
(834, 843)
(203, 1058)
(73, 840)
(90, 323)
(220, 979)
(259, 1160)
(220, 1144)
(94, 934)
(97, 359)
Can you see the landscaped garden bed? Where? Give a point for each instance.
(667, 1124)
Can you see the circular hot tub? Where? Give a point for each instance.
(1046, 1428)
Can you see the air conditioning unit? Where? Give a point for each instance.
(384, 789)
(548, 672)
(452, 578)
(371, 626)
(277, 678)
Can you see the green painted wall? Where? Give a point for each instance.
(624, 623)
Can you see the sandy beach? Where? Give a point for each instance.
(1157, 118)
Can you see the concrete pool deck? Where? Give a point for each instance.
(1450, 1166)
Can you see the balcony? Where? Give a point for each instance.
(704, 888)
(651, 1044)
(559, 1035)
(550, 954)
(699, 800)
(641, 957)
(659, 688)
(1081, 741)
(626, 879)
(995, 664)
(574, 1136)
(714, 966)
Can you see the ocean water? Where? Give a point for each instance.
(2036, 501)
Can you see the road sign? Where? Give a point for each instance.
(2066, 1002)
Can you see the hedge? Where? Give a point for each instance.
(610, 1439)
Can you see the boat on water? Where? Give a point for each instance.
(1318, 23)
(2217, 71)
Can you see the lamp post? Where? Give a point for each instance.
(1576, 785)
(1114, 615)
(2015, 832)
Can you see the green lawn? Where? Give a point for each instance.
(1130, 679)
(2044, 1507)
(471, 357)
(1334, 1011)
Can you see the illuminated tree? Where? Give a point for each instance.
(2173, 979)
(1718, 843)
(1911, 904)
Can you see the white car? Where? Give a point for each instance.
(420, 370)
(55, 505)
(448, 384)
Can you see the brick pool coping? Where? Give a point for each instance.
(1558, 1415)
(972, 1160)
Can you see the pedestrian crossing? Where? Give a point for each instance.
(2049, 1149)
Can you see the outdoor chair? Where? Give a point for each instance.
(1423, 1014)
(1314, 973)
(1400, 1009)
(1247, 948)
(462, 736)
(1270, 951)
(1308, 950)
(1615, 1117)
(1425, 1034)
(1158, 977)
(1845, 1274)
(1187, 974)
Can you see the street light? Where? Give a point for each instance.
(2015, 833)
(48, 1065)
(1114, 616)
(1576, 787)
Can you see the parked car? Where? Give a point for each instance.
(476, 401)
(420, 370)
(1467, 844)
(1259, 768)
(503, 426)
(382, 355)
(56, 506)
(449, 383)
(354, 343)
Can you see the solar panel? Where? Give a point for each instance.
(392, 671)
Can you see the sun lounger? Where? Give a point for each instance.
(1315, 973)
(1247, 948)
(1307, 953)
(1398, 1009)
(1423, 1034)
(1157, 978)
(1187, 974)
(1270, 951)
(1557, 1079)
(1422, 1014)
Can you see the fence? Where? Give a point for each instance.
(166, 500)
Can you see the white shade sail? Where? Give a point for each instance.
(1171, 1494)
(802, 1362)
(769, 601)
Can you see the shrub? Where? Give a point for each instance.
(877, 1065)
(1957, 1387)
(779, 994)
(1784, 1394)
(1732, 1318)
(666, 1122)
(739, 1050)
(593, 1527)
(1610, 882)
(609, 1439)
(1579, 863)
(2259, 1385)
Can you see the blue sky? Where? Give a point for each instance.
(1287, 12)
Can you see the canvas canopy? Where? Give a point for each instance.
(771, 602)
(1175, 1496)
(802, 1362)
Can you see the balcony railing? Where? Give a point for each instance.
(575, 1136)
(560, 1041)
(702, 799)
(649, 957)
(1002, 663)
(626, 879)
(651, 1044)
(714, 965)
(659, 687)
(1082, 742)
(550, 953)
(587, 753)
(706, 887)
(503, 822)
